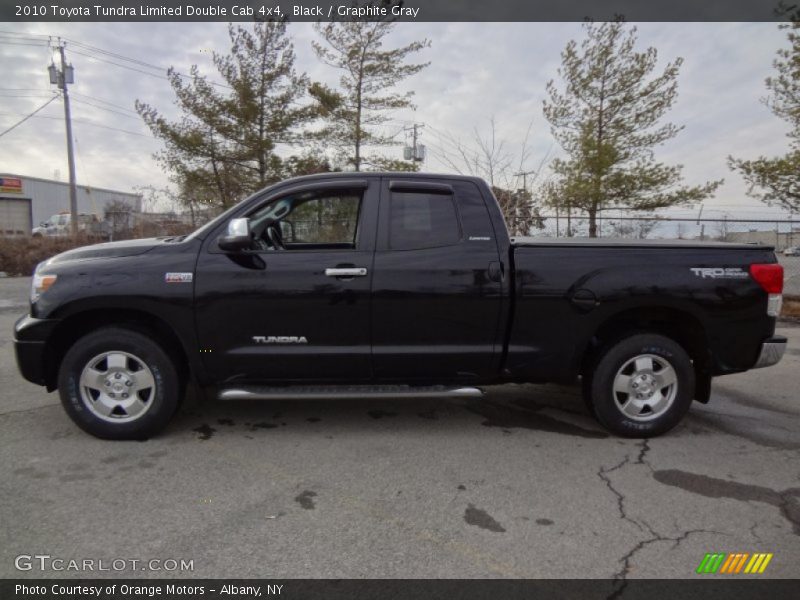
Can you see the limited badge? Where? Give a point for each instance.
(178, 277)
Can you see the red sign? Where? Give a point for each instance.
(10, 185)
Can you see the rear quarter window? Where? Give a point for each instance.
(420, 220)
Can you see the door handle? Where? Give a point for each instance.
(346, 272)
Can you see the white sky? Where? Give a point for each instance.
(477, 71)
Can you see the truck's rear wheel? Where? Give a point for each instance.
(119, 384)
(641, 386)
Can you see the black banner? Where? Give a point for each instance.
(407, 10)
(399, 589)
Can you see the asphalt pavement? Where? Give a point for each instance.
(522, 483)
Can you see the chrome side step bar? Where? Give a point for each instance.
(351, 392)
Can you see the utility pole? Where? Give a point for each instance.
(524, 175)
(63, 76)
(522, 194)
(569, 219)
(558, 233)
(416, 152)
(703, 226)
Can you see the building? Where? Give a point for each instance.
(779, 239)
(27, 201)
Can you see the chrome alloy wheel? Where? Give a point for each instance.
(117, 387)
(645, 387)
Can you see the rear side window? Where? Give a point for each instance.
(419, 220)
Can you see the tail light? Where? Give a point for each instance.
(770, 278)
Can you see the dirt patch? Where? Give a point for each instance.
(791, 307)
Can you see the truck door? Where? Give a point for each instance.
(298, 311)
(437, 291)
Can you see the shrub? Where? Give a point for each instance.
(20, 255)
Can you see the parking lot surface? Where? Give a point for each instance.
(520, 484)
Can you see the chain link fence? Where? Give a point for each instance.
(783, 235)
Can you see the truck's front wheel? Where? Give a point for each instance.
(119, 384)
(641, 386)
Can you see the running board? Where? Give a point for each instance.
(352, 392)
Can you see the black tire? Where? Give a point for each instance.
(606, 403)
(162, 398)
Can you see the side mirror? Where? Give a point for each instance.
(237, 238)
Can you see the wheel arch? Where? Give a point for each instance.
(681, 326)
(77, 325)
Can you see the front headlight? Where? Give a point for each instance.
(40, 284)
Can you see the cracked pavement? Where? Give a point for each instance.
(521, 484)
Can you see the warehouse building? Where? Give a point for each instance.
(25, 202)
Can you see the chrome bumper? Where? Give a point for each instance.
(771, 352)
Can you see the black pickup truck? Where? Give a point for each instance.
(400, 284)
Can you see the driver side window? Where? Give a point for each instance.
(310, 221)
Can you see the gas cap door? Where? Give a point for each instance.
(585, 300)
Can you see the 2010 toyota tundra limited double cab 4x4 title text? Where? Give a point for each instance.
(369, 284)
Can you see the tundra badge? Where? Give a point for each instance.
(280, 339)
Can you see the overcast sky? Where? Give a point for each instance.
(477, 71)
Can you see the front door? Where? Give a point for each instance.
(296, 306)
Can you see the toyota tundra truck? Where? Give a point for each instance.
(392, 284)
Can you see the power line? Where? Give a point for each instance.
(93, 124)
(10, 43)
(27, 95)
(136, 61)
(96, 99)
(41, 38)
(21, 36)
(114, 55)
(111, 110)
(85, 122)
(25, 90)
(22, 41)
(164, 77)
(110, 62)
(112, 128)
(18, 34)
(18, 123)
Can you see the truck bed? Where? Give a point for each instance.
(526, 241)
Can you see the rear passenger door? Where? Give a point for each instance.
(437, 288)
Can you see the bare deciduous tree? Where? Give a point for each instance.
(507, 170)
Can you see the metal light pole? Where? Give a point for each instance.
(61, 77)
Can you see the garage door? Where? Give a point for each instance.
(15, 216)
